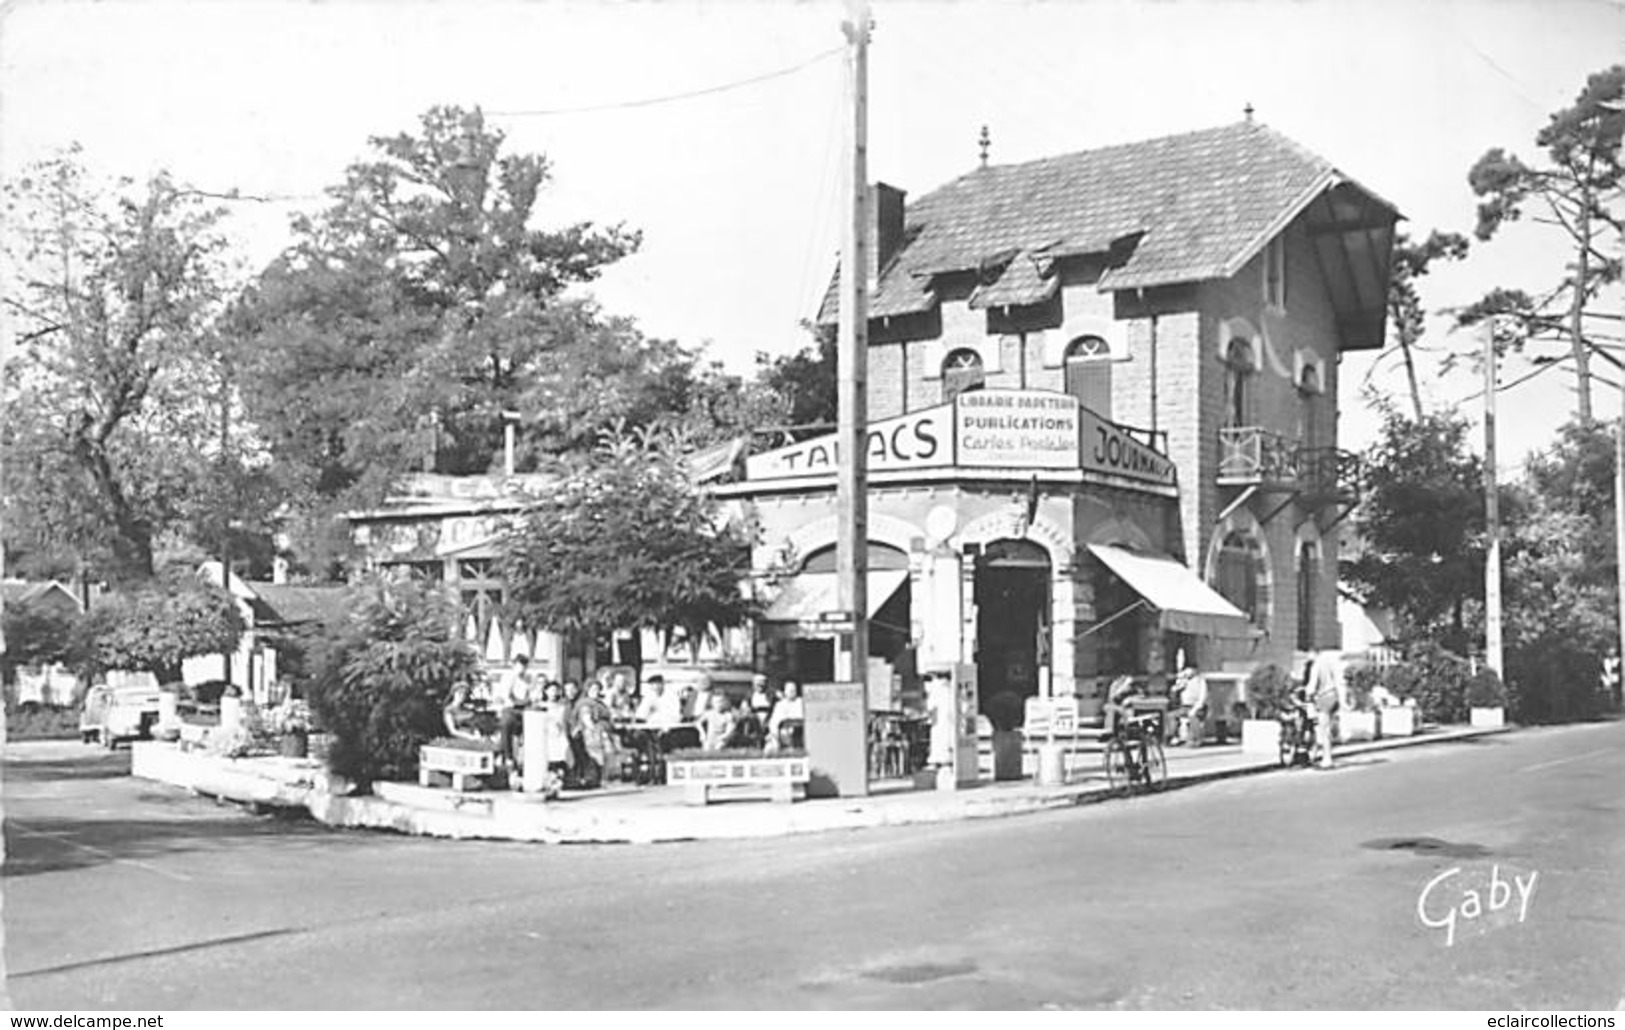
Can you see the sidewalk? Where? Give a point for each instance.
(650, 814)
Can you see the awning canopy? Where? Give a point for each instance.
(808, 595)
(1185, 604)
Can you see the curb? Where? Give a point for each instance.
(493, 817)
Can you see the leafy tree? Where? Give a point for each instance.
(416, 307)
(113, 291)
(1560, 614)
(806, 380)
(1421, 525)
(383, 675)
(627, 543)
(1576, 190)
(1407, 316)
(156, 627)
(35, 634)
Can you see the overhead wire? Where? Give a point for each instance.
(670, 98)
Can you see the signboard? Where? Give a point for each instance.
(1014, 429)
(837, 735)
(919, 439)
(1017, 429)
(1109, 448)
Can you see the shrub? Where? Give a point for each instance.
(1435, 679)
(1361, 680)
(383, 674)
(1485, 689)
(208, 692)
(1269, 688)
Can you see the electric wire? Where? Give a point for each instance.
(671, 98)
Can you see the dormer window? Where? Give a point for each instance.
(1275, 274)
(962, 372)
(1089, 374)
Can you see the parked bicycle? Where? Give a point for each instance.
(1134, 757)
(1297, 720)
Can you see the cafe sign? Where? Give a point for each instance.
(919, 439)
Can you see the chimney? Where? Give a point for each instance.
(886, 217)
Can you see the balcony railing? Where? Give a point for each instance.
(1254, 455)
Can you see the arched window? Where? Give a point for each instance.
(1238, 375)
(1089, 374)
(1308, 580)
(962, 372)
(1239, 575)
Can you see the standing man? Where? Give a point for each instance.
(1326, 693)
(513, 697)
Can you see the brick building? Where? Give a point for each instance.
(1177, 308)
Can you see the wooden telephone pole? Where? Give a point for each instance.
(852, 346)
(1492, 512)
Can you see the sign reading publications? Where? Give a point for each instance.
(1108, 448)
(1024, 429)
(919, 439)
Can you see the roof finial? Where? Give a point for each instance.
(1248, 111)
(983, 142)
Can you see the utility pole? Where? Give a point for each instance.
(1492, 512)
(852, 346)
(1619, 525)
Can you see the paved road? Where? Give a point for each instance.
(1282, 891)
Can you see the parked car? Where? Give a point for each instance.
(112, 714)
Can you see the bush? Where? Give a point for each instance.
(1269, 688)
(208, 692)
(383, 675)
(1485, 689)
(1361, 680)
(1435, 679)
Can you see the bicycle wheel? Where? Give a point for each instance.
(1154, 773)
(1289, 745)
(1116, 761)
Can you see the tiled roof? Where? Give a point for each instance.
(1025, 279)
(1195, 206)
(296, 603)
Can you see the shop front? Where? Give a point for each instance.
(1012, 530)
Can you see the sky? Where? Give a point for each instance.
(718, 127)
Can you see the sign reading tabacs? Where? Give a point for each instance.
(919, 439)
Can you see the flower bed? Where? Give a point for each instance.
(700, 772)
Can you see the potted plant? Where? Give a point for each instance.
(1268, 689)
(1007, 711)
(1486, 699)
(290, 722)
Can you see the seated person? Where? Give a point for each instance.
(717, 724)
(784, 726)
(469, 717)
(749, 732)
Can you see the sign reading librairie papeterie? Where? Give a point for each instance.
(1016, 429)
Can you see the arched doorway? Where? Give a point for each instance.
(1012, 594)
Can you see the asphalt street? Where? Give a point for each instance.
(1294, 889)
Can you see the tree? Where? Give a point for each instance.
(156, 627)
(383, 675)
(1561, 592)
(1577, 190)
(35, 634)
(628, 543)
(415, 308)
(806, 380)
(1421, 525)
(113, 291)
(1405, 311)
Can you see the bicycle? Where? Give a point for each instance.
(1134, 757)
(1298, 746)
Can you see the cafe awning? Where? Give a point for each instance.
(808, 595)
(1183, 602)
